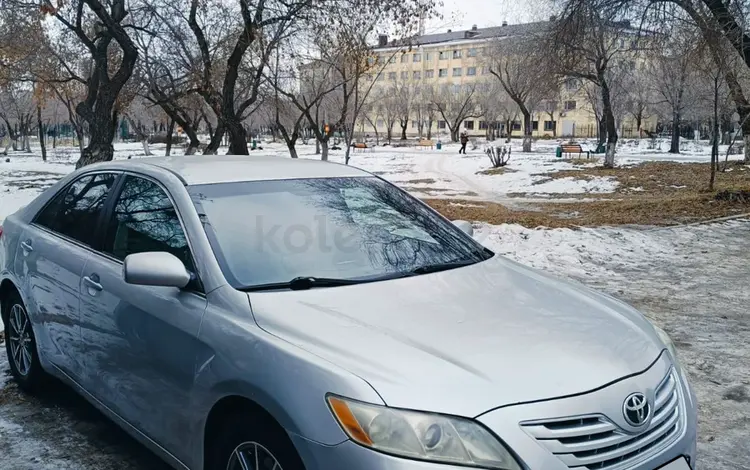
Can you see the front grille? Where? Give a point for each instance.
(596, 443)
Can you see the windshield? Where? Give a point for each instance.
(266, 232)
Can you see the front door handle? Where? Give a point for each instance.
(92, 282)
(27, 248)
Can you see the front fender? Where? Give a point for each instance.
(286, 381)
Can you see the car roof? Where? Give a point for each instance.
(210, 169)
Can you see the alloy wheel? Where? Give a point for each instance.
(19, 339)
(252, 456)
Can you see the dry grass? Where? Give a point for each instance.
(497, 171)
(629, 211)
(665, 178)
(421, 181)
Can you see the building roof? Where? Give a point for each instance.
(200, 169)
(477, 34)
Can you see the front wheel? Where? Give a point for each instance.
(20, 344)
(247, 442)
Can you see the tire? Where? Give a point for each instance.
(20, 344)
(247, 432)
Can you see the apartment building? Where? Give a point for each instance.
(458, 58)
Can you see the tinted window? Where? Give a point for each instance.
(267, 232)
(75, 211)
(143, 220)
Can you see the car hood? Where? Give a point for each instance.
(466, 340)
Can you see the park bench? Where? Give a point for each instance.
(569, 149)
(426, 143)
(360, 147)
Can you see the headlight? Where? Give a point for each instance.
(419, 435)
(668, 343)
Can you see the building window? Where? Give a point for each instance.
(482, 125)
(469, 125)
(371, 60)
(380, 123)
(549, 125)
(570, 105)
(485, 70)
(427, 56)
(417, 75)
(457, 54)
(392, 60)
(472, 52)
(429, 74)
(443, 73)
(414, 124)
(571, 84)
(381, 76)
(516, 126)
(457, 72)
(417, 58)
(534, 125)
(471, 71)
(391, 75)
(404, 58)
(404, 75)
(441, 124)
(443, 55)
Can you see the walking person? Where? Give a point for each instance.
(464, 141)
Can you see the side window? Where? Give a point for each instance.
(143, 220)
(75, 211)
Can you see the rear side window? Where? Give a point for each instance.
(75, 211)
(144, 220)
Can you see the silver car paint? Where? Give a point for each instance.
(550, 339)
(486, 333)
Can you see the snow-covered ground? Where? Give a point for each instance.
(692, 281)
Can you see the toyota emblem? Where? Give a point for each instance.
(636, 410)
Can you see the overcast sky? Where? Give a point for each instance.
(462, 14)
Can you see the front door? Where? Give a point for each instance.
(141, 341)
(53, 252)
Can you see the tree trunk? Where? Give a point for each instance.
(454, 133)
(404, 125)
(601, 131)
(324, 150)
(715, 143)
(317, 146)
(526, 129)
(429, 129)
(237, 138)
(41, 132)
(674, 146)
(170, 131)
(213, 146)
(609, 118)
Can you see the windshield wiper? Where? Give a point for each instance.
(306, 282)
(434, 268)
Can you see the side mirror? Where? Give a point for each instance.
(465, 227)
(155, 268)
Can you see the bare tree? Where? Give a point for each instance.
(523, 74)
(672, 74)
(455, 103)
(587, 43)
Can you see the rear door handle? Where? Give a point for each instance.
(27, 248)
(92, 282)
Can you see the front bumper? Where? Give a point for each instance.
(505, 422)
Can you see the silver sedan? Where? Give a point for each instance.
(264, 313)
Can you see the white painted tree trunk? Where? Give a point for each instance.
(146, 149)
(527, 143)
(609, 157)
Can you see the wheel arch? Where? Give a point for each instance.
(229, 406)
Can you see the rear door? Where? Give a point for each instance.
(53, 252)
(142, 341)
